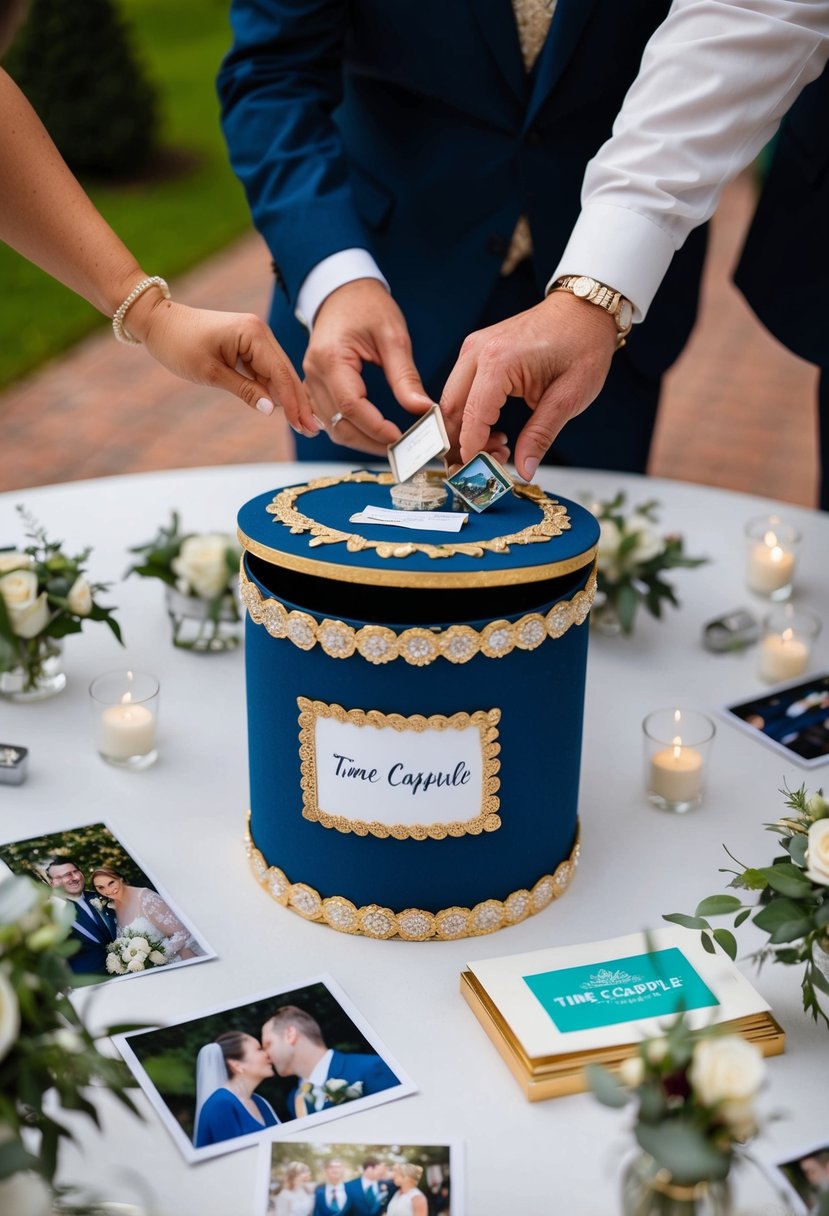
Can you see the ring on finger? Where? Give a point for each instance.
(335, 419)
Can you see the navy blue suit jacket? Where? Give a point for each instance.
(360, 1204)
(94, 932)
(321, 1208)
(410, 128)
(353, 1066)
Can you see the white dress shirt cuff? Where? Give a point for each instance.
(329, 274)
(621, 248)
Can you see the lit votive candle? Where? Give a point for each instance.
(787, 644)
(676, 747)
(125, 715)
(770, 557)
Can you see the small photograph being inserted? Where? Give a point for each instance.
(281, 1061)
(805, 1179)
(480, 482)
(125, 925)
(303, 1179)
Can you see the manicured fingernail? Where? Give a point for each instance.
(530, 466)
(319, 422)
(264, 405)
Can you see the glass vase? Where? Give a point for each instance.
(648, 1190)
(604, 615)
(202, 626)
(39, 674)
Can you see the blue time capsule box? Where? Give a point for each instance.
(415, 703)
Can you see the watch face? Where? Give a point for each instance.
(583, 286)
(625, 316)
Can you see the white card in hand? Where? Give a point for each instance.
(422, 521)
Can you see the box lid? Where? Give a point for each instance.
(528, 536)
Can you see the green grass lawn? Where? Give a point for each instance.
(171, 223)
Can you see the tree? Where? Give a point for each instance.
(77, 66)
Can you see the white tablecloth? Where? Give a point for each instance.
(185, 818)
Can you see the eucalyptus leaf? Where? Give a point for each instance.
(683, 1151)
(792, 930)
(727, 941)
(605, 1086)
(777, 912)
(788, 880)
(796, 847)
(719, 905)
(687, 922)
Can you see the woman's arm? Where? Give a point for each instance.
(46, 216)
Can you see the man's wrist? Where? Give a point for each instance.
(600, 295)
(332, 272)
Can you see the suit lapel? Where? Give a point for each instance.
(569, 20)
(496, 22)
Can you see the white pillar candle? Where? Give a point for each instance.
(770, 566)
(782, 656)
(676, 773)
(126, 730)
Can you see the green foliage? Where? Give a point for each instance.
(182, 45)
(91, 847)
(632, 558)
(54, 1054)
(66, 599)
(793, 908)
(77, 66)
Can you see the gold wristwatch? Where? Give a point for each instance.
(612, 301)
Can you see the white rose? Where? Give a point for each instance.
(726, 1069)
(818, 807)
(9, 1015)
(79, 598)
(632, 1072)
(68, 1041)
(14, 561)
(609, 540)
(648, 544)
(113, 965)
(137, 964)
(656, 1050)
(739, 1117)
(335, 1086)
(26, 1194)
(817, 852)
(28, 611)
(140, 945)
(202, 563)
(157, 958)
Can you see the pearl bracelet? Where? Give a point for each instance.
(121, 333)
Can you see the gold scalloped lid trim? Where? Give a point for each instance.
(412, 924)
(417, 646)
(553, 520)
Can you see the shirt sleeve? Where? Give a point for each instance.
(329, 274)
(716, 78)
(156, 910)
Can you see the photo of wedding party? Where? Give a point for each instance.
(123, 925)
(300, 1178)
(806, 1179)
(282, 1060)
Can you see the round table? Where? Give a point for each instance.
(185, 818)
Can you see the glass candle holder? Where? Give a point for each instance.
(788, 636)
(125, 718)
(677, 747)
(771, 552)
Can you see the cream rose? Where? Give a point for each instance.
(203, 565)
(25, 1194)
(79, 598)
(817, 852)
(818, 806)
(739, 1117)
(632, 1072)
(28, 611)
(609, 540)
(9, 1014)
(14, 561)
(726, 1069)
(648, 544)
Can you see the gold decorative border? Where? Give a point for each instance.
(486, 721)
(554, 520)
(412, 924)
(417, 646)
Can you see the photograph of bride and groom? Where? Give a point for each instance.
(348, 1179)
(122, 925)
(281, 1061)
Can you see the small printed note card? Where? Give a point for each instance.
(421, 521)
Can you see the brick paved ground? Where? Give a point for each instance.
(738, 409)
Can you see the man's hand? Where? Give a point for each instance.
(556, 356)
(360, 323)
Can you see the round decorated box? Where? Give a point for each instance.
(415, 704)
